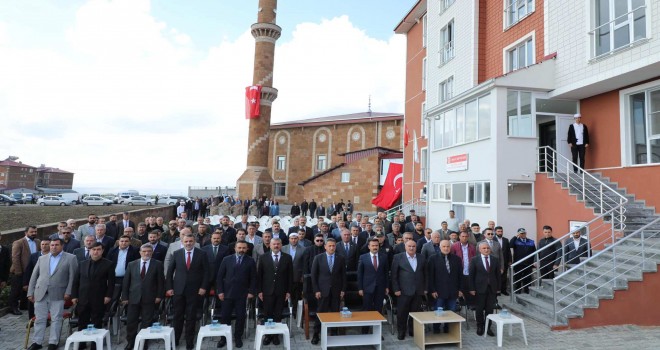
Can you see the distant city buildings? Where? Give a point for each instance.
(14, 175)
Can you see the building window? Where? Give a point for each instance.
(424, 74)
(281, 163)
(446, 89)
(477, 192)
(345, 177)
(617, 24)
(444, 5)
(449, 129)
(644, 123)
(465, 123)
(447, 42)
(280, 189)
(516, 10)
(520, 56)
(423, 159)
(519, 114)
(321, 162)
(520, 194)
(424, 26)
(441, 192)
(484, 117)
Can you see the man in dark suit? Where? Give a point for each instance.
(21, 250)
(121, 256)
(401, 247)
(215, 252)
(312, 208)
(106, 241)
(485, 285)
(506, 255)
(373, 271)
(236, 282)
(358, 238)
(328, 282)
(45, 249)
(576, 248)
(82, 253)
(409, 286)
(274, 279)
(70, 243)
(445, 271)
(124, 223)
(187, 281)
(348, 250)
(229, 233)
(160, 250)
(302, 224)
(142, 290)
(243, 223)
(111, 228)
(296, 251)
(550, 258)
(578, 139)
(93, 288)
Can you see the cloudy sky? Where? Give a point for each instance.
(149, 95)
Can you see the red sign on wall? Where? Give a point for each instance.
(457, 162)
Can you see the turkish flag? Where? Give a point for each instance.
(391, 191)
(406, 136)
(252, 101)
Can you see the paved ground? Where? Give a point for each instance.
(12, 337)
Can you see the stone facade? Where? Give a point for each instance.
(299, 144)
(16, 175)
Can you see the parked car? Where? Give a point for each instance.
(95, 200)
(6, 200)
(70, 198)
(52, 200)
(168, 200)
(18, 197)
(28, 197)
(138, 200)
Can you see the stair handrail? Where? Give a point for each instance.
(407, 204)
(547, 153)
(583, 264)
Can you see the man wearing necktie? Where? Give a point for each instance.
(445, 272)
(216, 252)
(348, 250)
(484, 285)
(274, 279)
(373, 271)
(296, 251)
(187, 281)
(328, 282)
(409, 285)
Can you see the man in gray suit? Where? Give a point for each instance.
(51, 283)
(495, 247)
(296, 251)
(433, 247)
(409, 285)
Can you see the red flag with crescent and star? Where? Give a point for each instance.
(392, 188)
(252, 101)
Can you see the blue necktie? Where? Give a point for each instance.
(330, 262)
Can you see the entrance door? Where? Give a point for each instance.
(563, 122)
(547, 137)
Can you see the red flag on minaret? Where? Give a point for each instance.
(406, 136)
(252, 101)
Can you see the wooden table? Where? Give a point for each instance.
(358, 319)
(450, 318)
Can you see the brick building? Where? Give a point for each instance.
(15, 174)
(302, 150)
(49, 177)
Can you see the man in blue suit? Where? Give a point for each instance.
(373, 270)
(236, 282)
(216, 252)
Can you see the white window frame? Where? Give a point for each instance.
(345, 177)
(441, 192)
(510, 184)
(449, 194)
(515, 120)
(321, 162)
(521, 10)
(281, 185)
(523, 42)
(627, 155)
(462, 132)
(445, 4)
(424, 30)
(423, 159)
(424, 63)
(447, 39)
(280, 163)
(616, 24)
(446, 89)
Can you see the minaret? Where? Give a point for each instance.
(256, 180)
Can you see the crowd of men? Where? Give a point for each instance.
(344, 258)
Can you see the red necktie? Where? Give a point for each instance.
(144, 269)
(487, 265)
(188, 262)
(375, 262)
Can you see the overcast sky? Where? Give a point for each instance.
(149, 95)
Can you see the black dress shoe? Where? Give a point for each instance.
(35, 346)
(401, 336)
(480, 331)
(239, 343)
(315, 339)
(489, 332)
(16, 311)
(276, 340)
(52, 346)
(222, 342)
(267, 340)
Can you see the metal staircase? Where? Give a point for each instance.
(417, 204)
(625, 235)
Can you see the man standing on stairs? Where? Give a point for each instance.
(550, 258)
(522, 248)
(578, 139)
(576, 248)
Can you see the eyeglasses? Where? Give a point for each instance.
(489, 234)
(318, 240)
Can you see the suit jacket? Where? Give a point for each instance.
(72, 245)
(308, 231)
(352, 256)
(572, 138)
(137, 290)
(552, 255)
(120, 227)
(369, 278)
(480, 278)
(428, 249)
(132, 255)
(34, 257)
(188, 281)
(506, 251)
(446, 284)
(258, 251)
(271, 280)
(235, 282)
(256, 240)
(325, 281)
(82, 231)
(215, 260)
(571, 255)
(112, 230)
(174, 246)
(496, 251)
(399, 248)
(91, 287)
(406, 280)
(20, 254)
(5, 263)
(160, 251)
(421, 243)
(297, 260)
(457, 250)
(57, 285)
(241, 225)
(108, 243)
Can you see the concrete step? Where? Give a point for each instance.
(573, 296)
(626, 262)
(537, 309)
